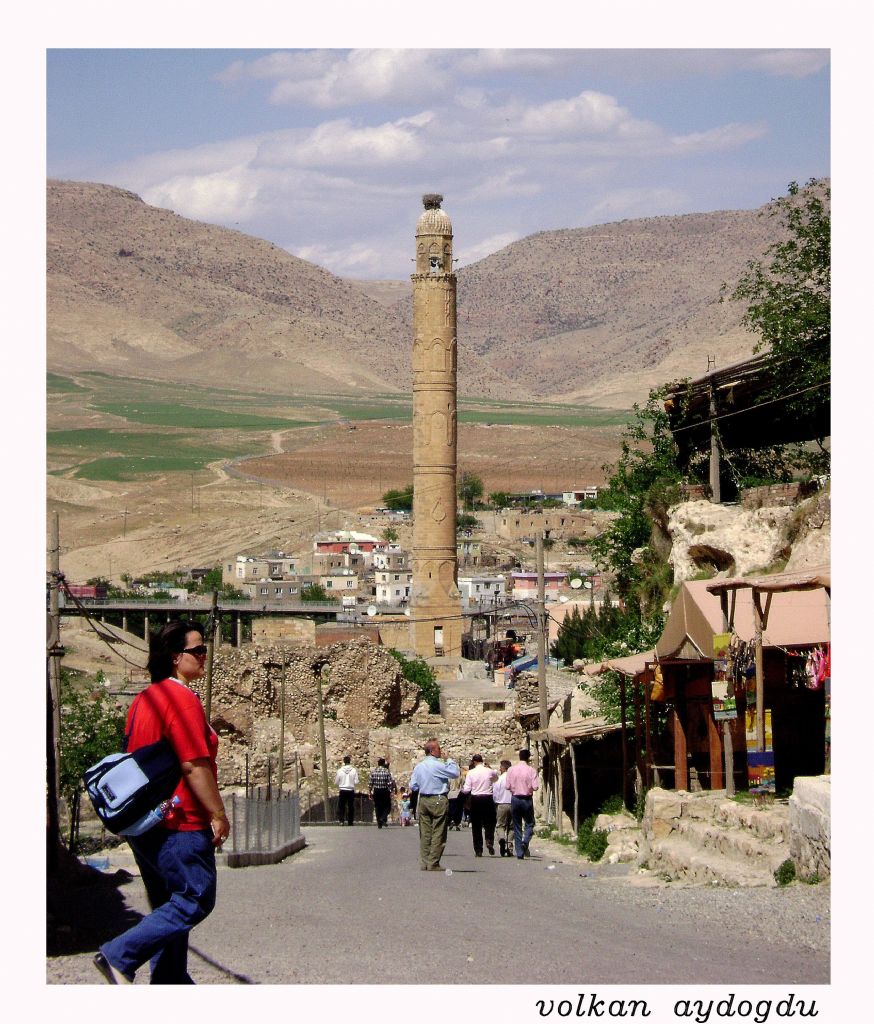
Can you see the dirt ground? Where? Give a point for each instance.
(107, 529)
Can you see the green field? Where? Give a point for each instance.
(123, 455)
(167, 410)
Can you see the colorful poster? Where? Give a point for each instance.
(760, 771)
(751, 721)
(722, 687)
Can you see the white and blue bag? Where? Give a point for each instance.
(127, 789)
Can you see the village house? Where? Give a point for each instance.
(525, 524)
(393, 587)
(525, 585)
(276, 565)
(482, 591)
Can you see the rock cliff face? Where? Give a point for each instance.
(729, 540)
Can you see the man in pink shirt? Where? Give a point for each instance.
(521, 780)
(482, 807)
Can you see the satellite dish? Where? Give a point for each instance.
(353, 547)
(563, 598)
(587, 585)
(576, 583)
(371, 610)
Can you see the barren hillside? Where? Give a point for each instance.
(596, 315)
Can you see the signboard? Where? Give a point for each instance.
(722, 687)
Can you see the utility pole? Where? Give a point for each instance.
(210, 648)
(322, 745)
(541, 635)
(282, 727)
(54, 652)
(715, 493)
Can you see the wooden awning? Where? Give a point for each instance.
(574, 732)
(779, 583)
(632, 665)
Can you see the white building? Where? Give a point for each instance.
(393, 586)
(482, 591)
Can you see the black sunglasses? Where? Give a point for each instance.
(198, 651)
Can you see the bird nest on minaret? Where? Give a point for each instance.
(432, 201)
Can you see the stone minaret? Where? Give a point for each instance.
(435, 603)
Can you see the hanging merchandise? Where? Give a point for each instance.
(722, 690)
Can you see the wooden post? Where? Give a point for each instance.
(322, 745)
(576, 789)
(638, 755)
(729, 758)
(647, 731)
(681, 773)
(715, 496)
(559, 800)
(716, 780)
(761, 620)
(541, 637)
(622, 708)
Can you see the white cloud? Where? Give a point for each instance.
(794, 63)
(715, 140)
(357, 259)
(486, 247)
(588, 113)
(223, 196)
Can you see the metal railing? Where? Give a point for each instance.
(263, 826)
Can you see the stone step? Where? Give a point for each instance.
(769, 825)
(733, 843)
(683, 860)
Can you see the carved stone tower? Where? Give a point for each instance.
(435, 602)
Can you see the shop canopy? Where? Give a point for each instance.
(632, 665)
(799, 615)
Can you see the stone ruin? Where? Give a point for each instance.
(371, 711)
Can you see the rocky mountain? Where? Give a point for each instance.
(596, 315)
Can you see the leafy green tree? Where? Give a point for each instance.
(92, 726)
(399, 500)
(788, 296)
(418, 671)
(390, 534)
(314, 592)
(643, 484)
(499, 499)
(470, 490)
(466, 521)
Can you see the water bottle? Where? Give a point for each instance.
(163, 812)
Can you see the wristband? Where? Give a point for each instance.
(219, 816)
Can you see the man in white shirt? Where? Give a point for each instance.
(504, 817)
(478, 783)
(347, 780)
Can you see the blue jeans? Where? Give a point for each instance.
(178, 871)
(522, 809)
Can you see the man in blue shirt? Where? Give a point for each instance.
(430, 779)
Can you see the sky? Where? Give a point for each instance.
(326, 152)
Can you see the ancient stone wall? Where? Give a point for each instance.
(810, 826)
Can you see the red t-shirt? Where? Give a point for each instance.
(169, 709)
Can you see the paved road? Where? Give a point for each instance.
(354, 907)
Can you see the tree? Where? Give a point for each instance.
(499, 499)
(466, 521)
(788, 296)
(314, 592)
(643, 484)
(470, 489)
(390, 534)
(418, 671)
(92, 726)
(399, 500)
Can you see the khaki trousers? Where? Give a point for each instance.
(432, 813)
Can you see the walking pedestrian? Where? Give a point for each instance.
(347, 780)
(404, 809)
(456, 803)
(478, 784)
(381, 786)
(521, 780)
(503, 814)
(176, 857)
(430, 779)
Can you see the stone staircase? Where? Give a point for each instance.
(707, 839)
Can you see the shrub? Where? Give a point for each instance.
(418, 671)
(785, 873)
